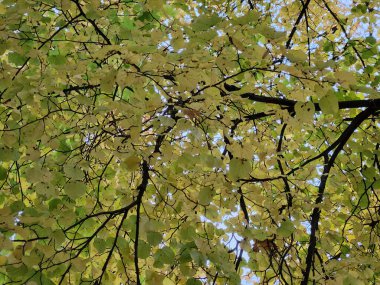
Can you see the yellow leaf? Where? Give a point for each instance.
(296, 56)
(329, 104)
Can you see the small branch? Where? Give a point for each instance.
(344, 31)
(99, 281)
(294, 29)
(289, 196)
(92, 22)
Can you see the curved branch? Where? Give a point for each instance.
(329, 162)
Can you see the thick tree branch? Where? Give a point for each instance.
(141, 191)
(351, 104)
(328, 162)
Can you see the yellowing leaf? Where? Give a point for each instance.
(297, 56)
(3, 260)
(346, 78)
(154, 278)
(304, 111)
(132, 162)
(329, 104)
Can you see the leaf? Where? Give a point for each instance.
(127, 23)
(329, 103)
(3, 260)
(75, 189)
(16, 58)
(57, 59)
(153, 278)
(204, 22)
(3, 173)
(297, 56)
(371, 40)
(3, 9)
(193, 281)
(8, 154)
(304, 111)
(53, 204)
(206, 195)
(100, 245)
(154, 238)
(235, 110)
(239, 168)
(164, 255)
(286, 229)
(132, 162)
(143, 249)
(59, 237)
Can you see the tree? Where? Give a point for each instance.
(189, 142)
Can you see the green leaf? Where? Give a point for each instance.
(53, 204)
(239, 168)
(286, 229)
(143, 249)
(8, 154)
(193, 281)
(3, 173)
(371, 40)
(57, 59)
(127, 23)
(204, 22)
(75, 189)
(154, 238)
(16, 58)
(165, 255)
(206, 195)
(100, 245)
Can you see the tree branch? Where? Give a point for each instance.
(294, 29)
(321, 189)
(351, 104)
(141, 189)
(92, 22)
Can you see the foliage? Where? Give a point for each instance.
(189, 142)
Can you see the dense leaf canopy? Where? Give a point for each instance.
(189, 142)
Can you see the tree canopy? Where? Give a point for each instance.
(189, 142)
